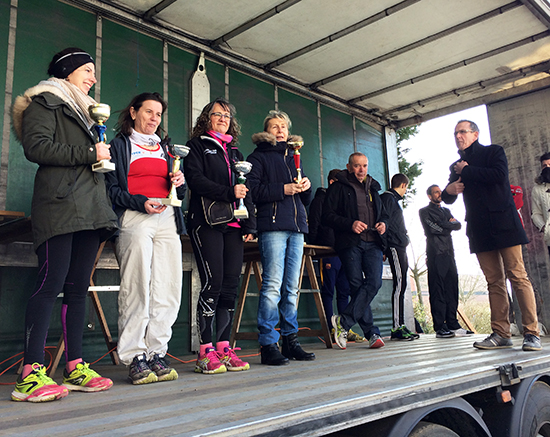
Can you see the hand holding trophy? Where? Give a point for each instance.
(296, 146)
(177, 151)
(243, 168)
(100, 112)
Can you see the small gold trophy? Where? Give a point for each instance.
(177, 151)
(243, 167)
(100, 112)
(296, 146)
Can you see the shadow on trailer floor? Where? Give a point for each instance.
(339, 389)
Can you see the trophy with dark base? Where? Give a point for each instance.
(296, 146)
(177, 152)
(243, 168)
(100, 113)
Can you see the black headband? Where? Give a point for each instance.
(68, 63)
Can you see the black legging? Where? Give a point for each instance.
(219, 257)
(65, 265)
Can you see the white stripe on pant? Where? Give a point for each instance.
(149, 255)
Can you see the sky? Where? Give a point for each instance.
(434, 145)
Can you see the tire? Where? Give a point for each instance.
(535, 421)
(427, 429)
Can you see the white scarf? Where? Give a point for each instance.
(144, 139)
(75, 97)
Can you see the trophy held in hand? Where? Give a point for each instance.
(100, 112)
(177, 152)
(296, 146)
(243, 168)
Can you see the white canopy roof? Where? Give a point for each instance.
(396, 62)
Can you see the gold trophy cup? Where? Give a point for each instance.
(177, 151)
(100, 112)
(243, 167)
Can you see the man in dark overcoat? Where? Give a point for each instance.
(495, 233)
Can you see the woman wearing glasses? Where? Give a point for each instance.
(217, 242)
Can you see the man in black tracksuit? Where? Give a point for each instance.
(396, 254)
(438, 223)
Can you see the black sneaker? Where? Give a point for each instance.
(444, 333)
(531, 343)
(140, 372)
(160, 365)
(494, 341)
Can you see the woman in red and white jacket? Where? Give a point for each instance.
(148, 247)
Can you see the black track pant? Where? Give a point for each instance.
(65, 264)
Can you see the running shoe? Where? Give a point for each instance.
(461, 332)
(37, 387)
(375, 342)
(408, 331)
(445, 333)
(494, 341)
(140, 372)
(161, 367)
(231, 361)
(401, 334)
(353, 336)
(340, 334)
(210, 363)
(82, 378)
(531, 343)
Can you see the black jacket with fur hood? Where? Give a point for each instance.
(273, 167)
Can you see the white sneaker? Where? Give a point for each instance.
(461, 332)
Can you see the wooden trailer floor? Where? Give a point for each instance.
(303, 398)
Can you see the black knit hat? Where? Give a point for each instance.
(67, 61)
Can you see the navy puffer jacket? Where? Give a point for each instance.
(273, 167)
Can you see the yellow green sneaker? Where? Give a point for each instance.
(82, 378)
(37, 387)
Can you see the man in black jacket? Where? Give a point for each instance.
(438, 223)
(495, 233)
(333, 271)
(396, 254)
(354, 210)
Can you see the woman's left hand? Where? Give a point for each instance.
(177, 178)
(248, 237)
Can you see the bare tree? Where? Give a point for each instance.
(468, 285)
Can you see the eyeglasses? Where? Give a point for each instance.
(220, 115)
(462, 132)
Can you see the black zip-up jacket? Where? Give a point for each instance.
(438, 228)
(396, 230)
(340, 211)
(117, 182)
(207, 175)
(273, 167)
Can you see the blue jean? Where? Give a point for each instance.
(334, 277)
(363, 266)
(281, 253)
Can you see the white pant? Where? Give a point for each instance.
(149, 255)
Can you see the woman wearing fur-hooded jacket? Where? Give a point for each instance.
(282, 222)
(70, 214)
